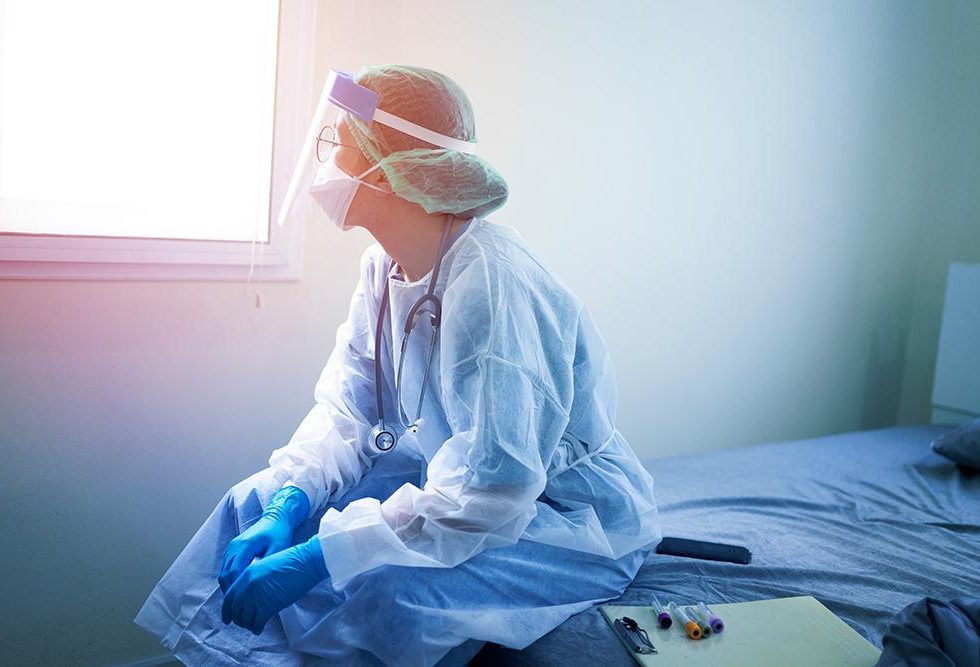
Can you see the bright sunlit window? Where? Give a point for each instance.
(121, 118)
(144, 121)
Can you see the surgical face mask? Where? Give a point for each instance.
(334, 190)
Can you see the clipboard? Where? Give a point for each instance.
(796, 631)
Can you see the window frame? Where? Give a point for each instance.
(67, 257)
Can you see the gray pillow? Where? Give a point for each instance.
(961, 445)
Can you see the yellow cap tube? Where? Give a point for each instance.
(693, 631)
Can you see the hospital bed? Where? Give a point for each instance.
(867, 522)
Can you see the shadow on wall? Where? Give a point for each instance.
(886, 367)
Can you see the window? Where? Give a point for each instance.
(150, 140)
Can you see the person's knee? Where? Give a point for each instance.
(249, 497)
(263, 484)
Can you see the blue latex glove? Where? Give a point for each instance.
(273, 532)
(272, 584)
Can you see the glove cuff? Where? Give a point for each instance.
(289, 504)
(313, 554)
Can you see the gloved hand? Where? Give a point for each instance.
(272, 584)
(273, 532)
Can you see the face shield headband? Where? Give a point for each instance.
(341, 91)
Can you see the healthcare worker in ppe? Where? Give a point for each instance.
(460, 478)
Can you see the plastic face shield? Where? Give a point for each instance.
(341, 93)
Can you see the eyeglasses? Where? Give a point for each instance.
(326, 142)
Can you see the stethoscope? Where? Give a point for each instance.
(382, 438)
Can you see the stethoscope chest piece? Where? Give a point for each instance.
(382, 438)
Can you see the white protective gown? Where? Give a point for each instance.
(518, 428)
(517, 505)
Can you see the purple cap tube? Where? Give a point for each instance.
(662, 616)
(716, 623)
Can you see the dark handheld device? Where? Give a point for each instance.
(679, 546)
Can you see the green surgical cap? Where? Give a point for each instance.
(440, 180)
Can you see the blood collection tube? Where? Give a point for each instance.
(696, 617)
(662, 616)
(693, 631)
(716, 623)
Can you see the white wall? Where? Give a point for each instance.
(949, 192)
(731, 188)
(756, 201)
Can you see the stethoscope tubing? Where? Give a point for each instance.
(436, 322)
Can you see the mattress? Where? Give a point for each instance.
(867, 522)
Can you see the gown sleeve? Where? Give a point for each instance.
(327, 455)
(506, 422)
